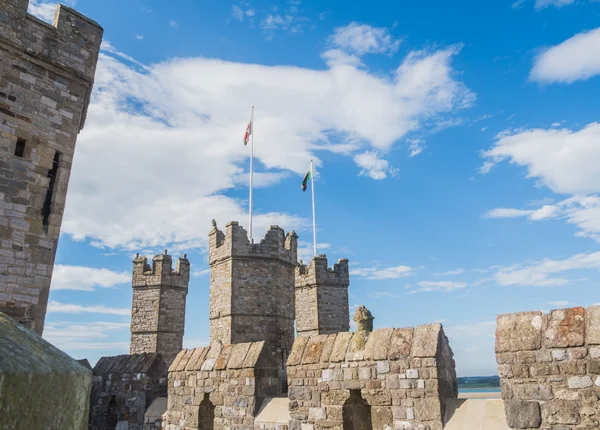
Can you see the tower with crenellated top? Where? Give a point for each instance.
(252, 288)
(322, 297)
(158, 308)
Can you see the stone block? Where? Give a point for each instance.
(378, 344)
(253, 354)
(428, 409)
(592, 328)
(522, 414)
(564, 328)
(334, 397)
(295, 356)
(328, 347)
(575, 382)
(236, 360)
(41, 386)
(560, 412)
(340, 346)
(426, 340)
(381, 417)
(518, 332)
(532, 392)
(314, 349)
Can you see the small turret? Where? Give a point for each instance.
(321, 296)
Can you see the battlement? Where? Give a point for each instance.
(235, 243)
(71, 43)
(317, 272)
(161, 272)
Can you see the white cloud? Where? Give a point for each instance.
(85, 278)
(584, 212)
(560, 303)
(574, 59)
(541, 4)
(566, 161)
(173, 23)
(139, 36)
(306, 250)
(380, 273)
(450, 272)
(445, 286)
(57, 307)
(174, 142)
(416, 147)
(202, 272)
(237, 13)
(546, 273)
(373, 166)
(76, 337)
(361, 39)
(43, 10)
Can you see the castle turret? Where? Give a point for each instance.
(158, 309)
(252, 288)
(47, 74)
(321, 296)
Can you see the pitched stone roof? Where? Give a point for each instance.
(127, 364)
(219, 357)
(382, 344)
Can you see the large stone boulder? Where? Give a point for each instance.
(41, 387)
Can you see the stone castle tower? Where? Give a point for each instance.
(252, 288)
(46, 77)
(158, 309)
(322, 297)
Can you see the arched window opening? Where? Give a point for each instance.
(206, 414)
(356, 413)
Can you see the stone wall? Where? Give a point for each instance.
(395, 378)
(321, 297)
(158, 308)
(252, 288)
(219, 387)
(41, 387)
(123, 388)
(549, 365)
(46, 77)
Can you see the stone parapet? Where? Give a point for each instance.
(219, 387)
(276, 245)
(400, 378)
(549, 367)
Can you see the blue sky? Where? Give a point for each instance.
(456, 150)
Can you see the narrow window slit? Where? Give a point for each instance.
(20, 147)
(46, 209)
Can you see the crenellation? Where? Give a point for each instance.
(158, 309)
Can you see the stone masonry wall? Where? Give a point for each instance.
(252, 288)
(549, 365)
(123, 388)
(321, 297)
(158, 308)
(46, 77)
(219, 387)
(406, 376)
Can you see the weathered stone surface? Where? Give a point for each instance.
(518, 332)
(532, 392)
(295, 356)
(592, 328)
(521, 414)
(254, 352)
(223, 358)
(579, 382)
(564, 328)
(46, 77)
(560, 412)
(314, 349)
(401, 343)
(428, 409)
(426, 340)
(327, 347)
(41, 387)
(338, 353)
(378, 344)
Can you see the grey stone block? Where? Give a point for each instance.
(521, 414)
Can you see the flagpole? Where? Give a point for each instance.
(312, 186)
(251, 159)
